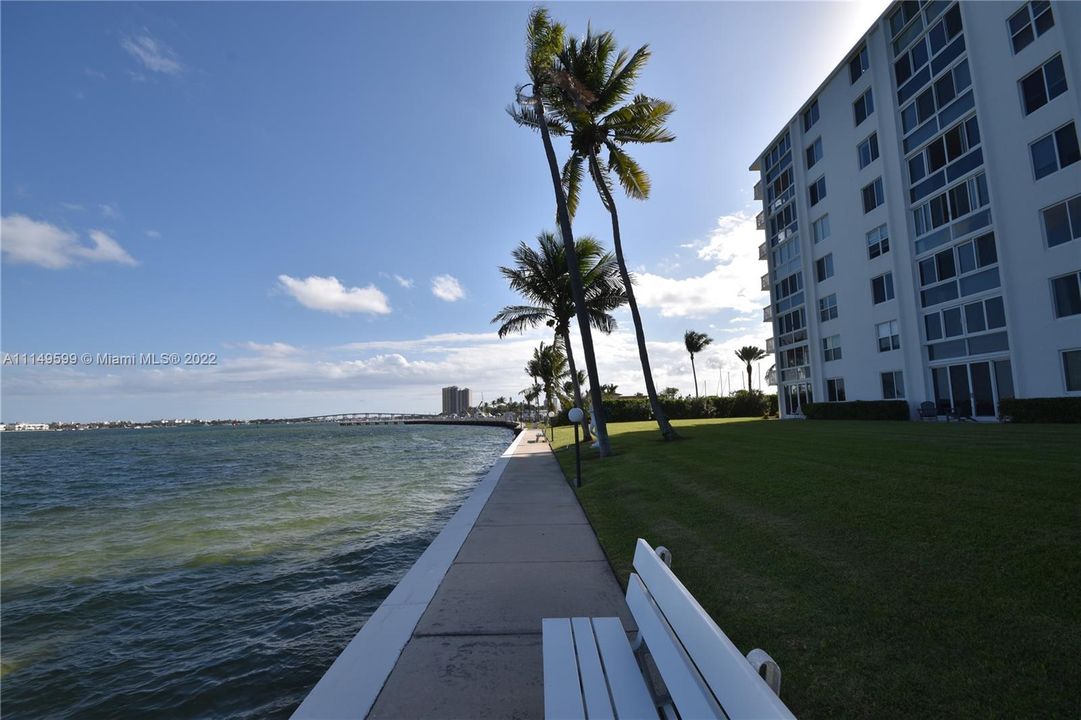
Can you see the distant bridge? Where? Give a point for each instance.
(381, 418)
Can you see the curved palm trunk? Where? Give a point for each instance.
(603, 445)
(695, 374)
(566, 338)
(658, 412)
(748, 377)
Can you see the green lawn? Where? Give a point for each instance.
(890, 568)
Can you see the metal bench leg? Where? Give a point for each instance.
(767, 667)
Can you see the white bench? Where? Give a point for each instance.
(591, 669)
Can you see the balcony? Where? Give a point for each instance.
(767, 313)
(763, 252)
(758, 190)
(760, 220)
(769, 345)
(765, 282)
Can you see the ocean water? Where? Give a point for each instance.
(209, 572)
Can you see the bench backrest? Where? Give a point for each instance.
(706, 674)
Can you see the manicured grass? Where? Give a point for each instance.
(891, 568)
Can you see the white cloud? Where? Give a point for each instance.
(109, 211)
(155, 55)
(25, 240)
(329, 295)
(447, 287)
(153, 234)
(406, 283)
(274, 349)
(91, 72)
(73, 206)
(732, 284)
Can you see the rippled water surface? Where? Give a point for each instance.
(209, 571)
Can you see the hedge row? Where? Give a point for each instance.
(1041, 410)
(740, 404)
(858, 410)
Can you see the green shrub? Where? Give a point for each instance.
(858, 410)
(1041, 410)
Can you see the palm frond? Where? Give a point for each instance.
(621, 80)
(641, 121)
(572, 182)
(631, 176)
(519, 318)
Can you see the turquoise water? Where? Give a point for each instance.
(209, 571)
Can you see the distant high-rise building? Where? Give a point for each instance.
(943, 265)
(456, 400)
(450, 400)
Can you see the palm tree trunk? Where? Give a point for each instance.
(695, 373)
(748, 377)
(566, 337)
(658, 412)
(604, 447)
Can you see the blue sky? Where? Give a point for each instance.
(320, 194)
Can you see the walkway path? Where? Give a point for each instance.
(531, 554)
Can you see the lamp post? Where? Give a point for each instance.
(551, 423)
(576, 416)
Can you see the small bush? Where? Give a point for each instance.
(858, 410)
(1041, 410)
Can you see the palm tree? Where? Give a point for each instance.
(550, 367)
(593, 80)
(540, 275)
(695, 342)
(609, 389)
(750, 354)
(544, 42)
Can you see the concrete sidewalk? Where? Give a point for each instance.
(476, 652)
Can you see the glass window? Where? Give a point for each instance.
(820, 228)
(996, 313)
(810, 116)
(824, 267)
(985, 250)
(893, 385)
(864, 106)
(944, 90)
(974, 319)
(1028, 23)
(889, 336)
(944, 265)
(1071, 366)
(831, 347)
(873, 195)
(835, 389)
(817, 190)
(814, 153)
(966, 257)
(868, 150)
(916, 168)
(1067, 292)
(878, 242)
(1055, 151)
(858, 65)
(827, 307)
(1043, 85)
(882, 288)
(1062, 222)
(951, 322)
(933, 325)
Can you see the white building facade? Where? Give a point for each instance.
(922, 214)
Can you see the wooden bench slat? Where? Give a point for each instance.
(594, 686)
(690, 694)
(739, 689)
(562, 690)
(629, 691)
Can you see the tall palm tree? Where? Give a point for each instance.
(544, 42)
(695, 342)
(540, 275)
(550, 365)
(750, 354)
(594, 80)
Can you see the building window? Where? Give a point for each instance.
(864, 106)
(1032, 20)
(1043, 85)
(923, 108)
(893, 385)
(945, 148)
(1055, 151)
(858, 65)
(960, 200)
(835, 389)
(977, 317)
(882, 288)
(1062, 222)
(889, 336)
(817, 191)
(831, 347)
(820, 228)
(810, 116)
(878, 242)
(814, 153)
(873, 196)
(827, 307)
(940, 266)
(1067, 292)
(1071, 366)
(868, 150)
(824, 267)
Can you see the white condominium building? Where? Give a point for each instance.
(922, 213)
